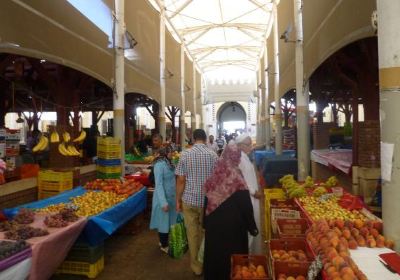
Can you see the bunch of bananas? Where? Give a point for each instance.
(69, 150)
(331, 182)
(41, 145)
(81, 137)
(149, 159)
(319, 191)
(292, 188)
(66, 136)
(309, 182)
(54, 137)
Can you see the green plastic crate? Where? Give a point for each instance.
(101, 175)
(83, 252)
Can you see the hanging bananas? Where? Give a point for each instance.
(67, 150)
(41, 145)
(81, 137)
(54, 137)
(66, 136)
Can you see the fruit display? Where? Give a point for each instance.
(328, 209)
(10, 248)
(53, 208)
(66, 136)
(55, 221)
(282, 276)
(7, 225)
(124, 187)
(331, 182)
(249, 271)
(23, 232)
(68, 150)
(54, 137)
(24, 216)
(92, 202)
(291, 186)
(332, 242)
(41, 145)
(61, 219)
(318, 191)
(289, 256)
(176, 156)
(81, 137)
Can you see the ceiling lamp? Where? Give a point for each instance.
(20, 119)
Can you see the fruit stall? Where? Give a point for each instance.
(318, 229)
(69, 227)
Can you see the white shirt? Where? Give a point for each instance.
(213, 146)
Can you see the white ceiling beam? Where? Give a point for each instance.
(180, 9)
(237, 47)
(197, 37)
(206, 54)
(261, 6)
(260, 27)
(248, 34)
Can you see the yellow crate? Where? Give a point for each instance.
(109, 169)
(109, 155)
(54, 176)
(108, 141)
(46, 194)
(275, 193)
(109, 148)
(55, 186)
(82, 268)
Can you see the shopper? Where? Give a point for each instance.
(212, 145)
(247, 168)
(229, 215)
(163, 213)
(194, 168)
(156, 143)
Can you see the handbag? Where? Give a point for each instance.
(177, 241)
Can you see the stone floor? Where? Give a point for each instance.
(137, 257)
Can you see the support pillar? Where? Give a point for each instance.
(278, 110)
(182, 126)
(389, 82)
(263, 101)
(302, 99)
(267, 125)
(163, 127)
(258, 123)
(119, 94)
(194, 113)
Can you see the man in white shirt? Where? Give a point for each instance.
(211, 144)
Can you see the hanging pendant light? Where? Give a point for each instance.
(20, 119)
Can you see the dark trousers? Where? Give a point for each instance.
(163, 239)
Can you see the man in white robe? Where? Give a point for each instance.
(246, 166)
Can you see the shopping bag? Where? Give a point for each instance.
(178, 244)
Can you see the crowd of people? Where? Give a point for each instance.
(218, 197)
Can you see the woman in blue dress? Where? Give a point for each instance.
(163, 213)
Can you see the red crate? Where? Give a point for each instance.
(288, 228)
(288, 244)
(283, 203)
(290, 269)
(246, 260)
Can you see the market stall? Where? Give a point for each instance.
(315, 227)
(99, 226)
(326, 163)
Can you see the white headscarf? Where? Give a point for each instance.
(241, 138)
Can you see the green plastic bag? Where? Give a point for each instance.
(178, 244)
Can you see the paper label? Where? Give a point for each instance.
(386, 160)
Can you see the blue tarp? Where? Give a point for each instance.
(98, 227)
(259, 156)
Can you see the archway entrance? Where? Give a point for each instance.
(231, 118)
